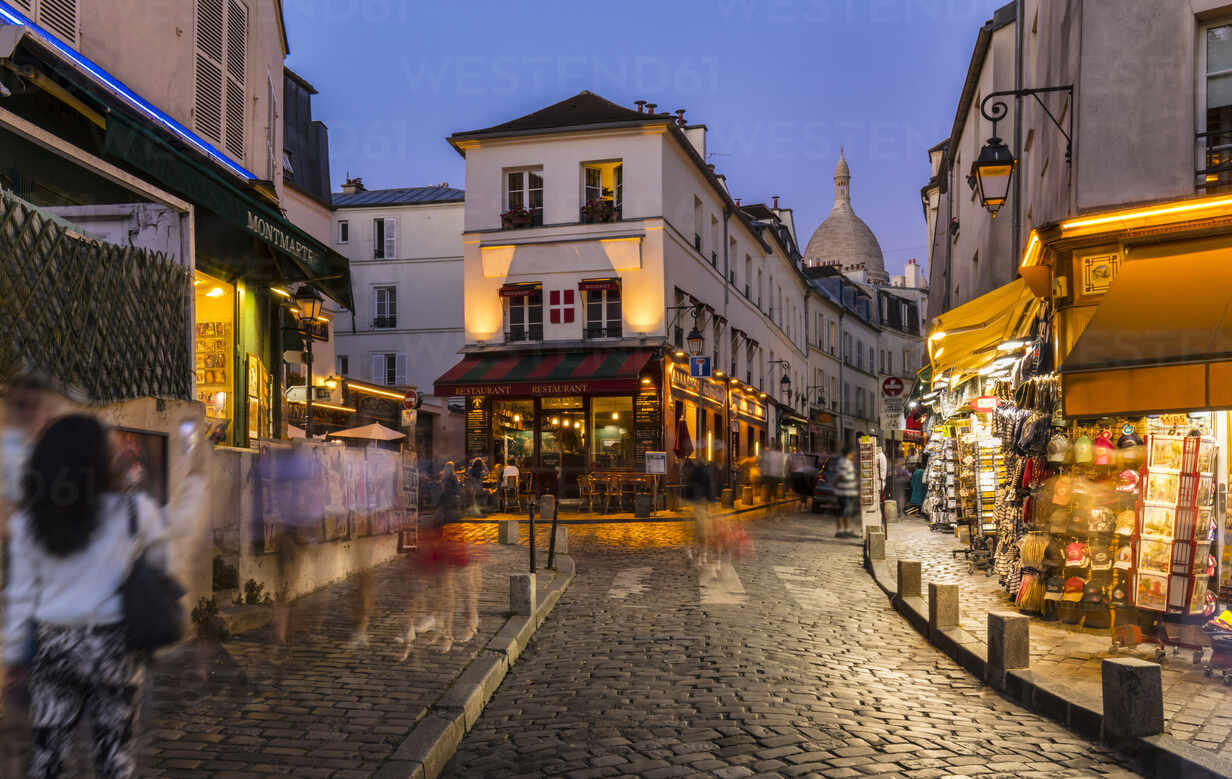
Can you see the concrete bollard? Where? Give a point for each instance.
(562, 540)
(746, 495)
(522, 594)
(909, 579)
(547, 506)
(1133, 698)
(726, 498)
(891, 510)
(641, 506)
(942, 606)
(875, 544)
(508, 532)
(1009, 645)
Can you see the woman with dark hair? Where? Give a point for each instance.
(72, 549)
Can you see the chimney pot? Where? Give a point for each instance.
(680, 117)
(650, 107)
(641, 105)
(776, 201)
(737, 201)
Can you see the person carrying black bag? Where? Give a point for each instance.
(76, 541)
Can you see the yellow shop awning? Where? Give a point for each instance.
(1161, 340)
(964, 339)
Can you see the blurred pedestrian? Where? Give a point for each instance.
(73, 544)
(848, 491)
(475, 474)
(915, 505)
(697, 489)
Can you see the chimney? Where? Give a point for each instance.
(650, 107)
(710, 165)
(737, 201)
(641, 105)
(353, 185)
(443, 185)
(775, 198)
(680, 116)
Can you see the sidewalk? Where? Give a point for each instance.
(1197, 710)
(319, 707)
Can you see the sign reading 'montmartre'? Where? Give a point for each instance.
(284, 241)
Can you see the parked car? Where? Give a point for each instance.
(825, 500)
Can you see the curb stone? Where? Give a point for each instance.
(435, 738)
(1161, 755)
(600, 519)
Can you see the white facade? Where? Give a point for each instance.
(408, 301)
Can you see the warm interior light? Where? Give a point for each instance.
(679, 353)
(709, 446)
(756, 448)
(216, 292)
(645, 380)
(615, 415)
(280, 292)
(331, 383)
(1145, 213)
(322, 320)
(517, 418)
(555, 420)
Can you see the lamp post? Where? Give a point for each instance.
(784, 387)
(992, 170)
(309, 303)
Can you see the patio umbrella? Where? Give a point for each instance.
(373, 432)
(684, 444)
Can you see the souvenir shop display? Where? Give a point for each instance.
(941, 499)
(870, 503)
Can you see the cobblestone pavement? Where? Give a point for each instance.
(319, 707)
(789, 663)
(1197, 709)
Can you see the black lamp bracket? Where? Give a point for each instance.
(994, 110)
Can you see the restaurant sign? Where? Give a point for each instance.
(535, 389)
(694, 386)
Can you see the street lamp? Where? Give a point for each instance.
(696, 340)
(992, 170)
(309, 303)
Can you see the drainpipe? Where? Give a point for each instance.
(1017, 224)
(842, 360)
(727, 213)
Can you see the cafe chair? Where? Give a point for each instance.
(586, 491)
(526, 489)
(509, 493)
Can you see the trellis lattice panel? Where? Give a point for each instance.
(111, 320)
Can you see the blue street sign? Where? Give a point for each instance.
(699, 367)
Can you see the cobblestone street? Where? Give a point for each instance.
(789, 662)
(1197, 709)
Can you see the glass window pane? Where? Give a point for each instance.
(1219, 91)
(1219, 48)
(513, 423)
(612, 425)
(613, 310)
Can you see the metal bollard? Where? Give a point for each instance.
(532, 536)
(552, 543)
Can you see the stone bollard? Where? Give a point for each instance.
(1009, 645)
(909, 579)
(875, 544)
(891, 510)
(547, 506)
(942, 606)
(508, 532)
(562, 540)
(726, 498)
(1133, 698)
(746, 495)
(522, 594)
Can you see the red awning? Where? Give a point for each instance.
(519, 290)
(598, 285)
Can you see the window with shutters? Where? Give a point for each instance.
(58, 17)
(385, 238)
(385, 306)
(388, 368)
(222, 66)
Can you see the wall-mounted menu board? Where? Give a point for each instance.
(478, 426)
(647, 425)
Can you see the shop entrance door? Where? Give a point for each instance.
(562, 444)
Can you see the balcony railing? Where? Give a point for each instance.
(592, 332)
(384, 322)
(1213, 169)
(524, 334)
(518, 218)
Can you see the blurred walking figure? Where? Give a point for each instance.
(848, 491)
(73, 543)
(476, 472)
(697, 491)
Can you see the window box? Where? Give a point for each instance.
(516, 218)
(598, 211)
(593, 332)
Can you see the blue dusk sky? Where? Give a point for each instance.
(781, 84)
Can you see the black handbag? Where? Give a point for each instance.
(153, 615)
